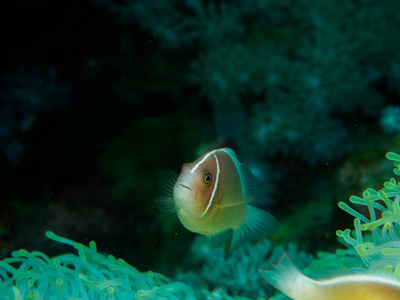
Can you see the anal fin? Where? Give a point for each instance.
(221, 237)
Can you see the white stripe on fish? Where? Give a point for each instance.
(214, 190)
(201, 161)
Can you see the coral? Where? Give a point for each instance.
(236, 274)
(339, 260)
(184, 25)
(287, 74)
(390, 119)
(375, 241)
(377, 238)
(90, 275)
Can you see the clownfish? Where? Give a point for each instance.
(358, 286)
(211, 197)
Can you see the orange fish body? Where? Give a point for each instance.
(211, 197)
(359, 286)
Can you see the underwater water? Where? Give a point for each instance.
(98, 97)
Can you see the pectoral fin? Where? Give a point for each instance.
(165, 200)
(258, 224)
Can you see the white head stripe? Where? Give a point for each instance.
(200, 162)
(214, 190)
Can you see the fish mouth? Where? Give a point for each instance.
(185, 186)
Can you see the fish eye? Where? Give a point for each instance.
(207, 178)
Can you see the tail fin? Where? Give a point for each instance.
(258, 224)
(285, 277)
